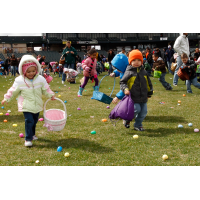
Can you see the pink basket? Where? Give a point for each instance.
(55, 119)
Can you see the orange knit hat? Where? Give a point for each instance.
(135, 54)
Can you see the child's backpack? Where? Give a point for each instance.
(182, 74)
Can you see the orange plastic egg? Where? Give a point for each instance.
(184, 95)
(179, 101)
(5, 120)
(104, 120)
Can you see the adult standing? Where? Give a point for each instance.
(169, 53)
(158, 52)
(13, 63)
(123, 51)
(111, 55)
(197, 53)
(181, 45)
(69, 53)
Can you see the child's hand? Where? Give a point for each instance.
(87, 69)
(127, 92)
(115, 100)
(153, 69)
(53, 98)
(188, 66)
(2, 102)
(112, 75)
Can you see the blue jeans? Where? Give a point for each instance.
(31, 120)
(13, 70)
(60, 73)
(140, 112)
(194, 82)
(179, 63)
(71, 66)
(162, 80)
(169, 67)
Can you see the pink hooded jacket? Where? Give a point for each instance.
(86, 67)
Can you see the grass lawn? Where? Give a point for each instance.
(111, 145)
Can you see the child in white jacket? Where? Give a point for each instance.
(29, 87)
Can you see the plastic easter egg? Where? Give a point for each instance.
(190, 124)
(59, 149)
(9, 111)
(56, 92)
(79, 95)
(91, 116)
(85, 90)
(2, 107)
(41, 119)
(179, 101)
(65, 101)
(69, 87)
(93, 132)
(178, 104)
(180, 126)
(108, 107)
(21, 135)
(7, 114)
(1, 113)
(15, 125)
(5, 120)
(196, 130)
(135, 136)
(59, 95)
(165, 157)
(66, 154)
(104, 120)
(184, 95)
(37, 161)
(78, 108)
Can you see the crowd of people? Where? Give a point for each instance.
(134, 69)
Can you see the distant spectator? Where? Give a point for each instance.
(149, 56)
(197, 53)
(158, 52)
(42, 59)
(7, 65)
(123, 51)
(78, 58)
(111, 55)
(169, 53)
(18, 60)
(13, 63)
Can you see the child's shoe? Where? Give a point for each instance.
(63, 82)
(139, 129)
(80, 91)
(34, 137)
(126, 123)
(28, 144)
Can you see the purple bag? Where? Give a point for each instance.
(124, 109)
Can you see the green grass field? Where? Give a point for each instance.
(111, 145)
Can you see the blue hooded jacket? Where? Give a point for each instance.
(120, 62)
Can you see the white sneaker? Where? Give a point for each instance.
(34, 137)
(63, 82)
(28, 144)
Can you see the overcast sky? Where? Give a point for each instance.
(20, 34)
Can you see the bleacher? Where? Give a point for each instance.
(2, 57)
(18, 55)
(50, 55)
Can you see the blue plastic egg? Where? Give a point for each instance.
(59, 149)
(2, 107)
(65, 101)
(190, 124)
(180, 126)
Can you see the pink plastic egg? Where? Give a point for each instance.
(196, 130)
(78, 108)
(21, 135)
(7, 113)
(41, 119)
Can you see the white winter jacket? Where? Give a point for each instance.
(181, 45)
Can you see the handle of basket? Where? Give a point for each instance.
(58, 100)
(113, 86)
